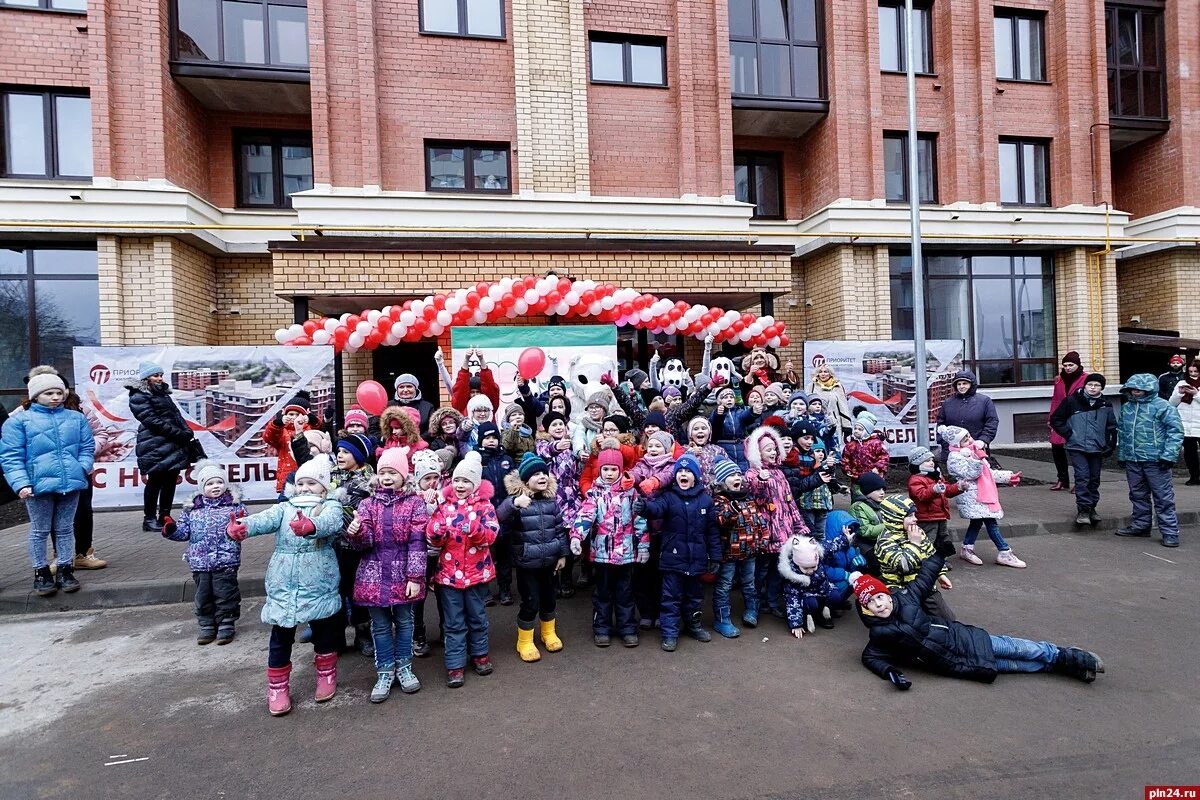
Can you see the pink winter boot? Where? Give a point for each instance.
(279, 699)
(326, 676)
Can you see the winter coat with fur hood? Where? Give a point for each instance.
(391, 530)
(537, 534)
(397, 429)
(803, 594)
(163, 434)
(436, 437)
(202, 523)
(462, 532)
(769, 487)
(618, 534)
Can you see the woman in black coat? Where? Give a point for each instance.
(164, 442)
(903, 634)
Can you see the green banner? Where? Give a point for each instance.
(497, 336)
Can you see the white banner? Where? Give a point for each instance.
(226, 394)
(879, 377)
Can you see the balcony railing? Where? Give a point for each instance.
(254, 39)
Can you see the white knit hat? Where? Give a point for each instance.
(207, 470)
(425, 462)
(952, 433)
(471, 468)
(316, 469)
(43, 379)
(479, 401)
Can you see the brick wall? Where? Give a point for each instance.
(43, 49)
(245, 282)
(849, 291)
(1162, 289)
(1085, 291)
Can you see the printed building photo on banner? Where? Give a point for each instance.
(880, 377)
(227, 395)
(579, 353)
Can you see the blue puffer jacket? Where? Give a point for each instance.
(48, 449)
(1149, 430)
(690, 538)
(838, 561)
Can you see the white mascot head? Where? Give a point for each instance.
(674, 373)
(583, 375)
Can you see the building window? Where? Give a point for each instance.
(1020, 46)
(45, 134)
(255, 33)
(758, 179)
(632, 60)
(895, 167)
(775, 48)
(481, 18)
(271, 167)
(892, 47)
(1136, 78)
(1000, 305)
(53, 5)
(49, 304)
(1025, 172)
(467, 167)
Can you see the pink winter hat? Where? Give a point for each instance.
(356, 414)
(394, 458)
(610, 458)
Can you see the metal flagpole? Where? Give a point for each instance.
(920, 372)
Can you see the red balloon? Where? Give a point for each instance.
(310, 326)
(303, 341)
(340, 335)
(482, 288)
(429, 313)
(564, 285)
(372, 397)
(373, 340)
(587, 298)
(783, 340)
(395, 313)
(531, 362)
(352, 321)
(553, 298)
(626, 309)
(384, 324)
(471, 301)
(439, 301)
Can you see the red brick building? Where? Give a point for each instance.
(164, 164)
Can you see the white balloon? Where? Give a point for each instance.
(486, 304)
(436, 328)
(407, 318)
(595, 308)
(745, 336)
(671, 330)
(399, 330)
(282, 335)
(480, 316)
(511, 313)
(495, 292)
(453, 305)
(608, 303)
(444, 317)
(373, 316)
(330, 324)
(321, 337)
(571, 298)
(775, 342)
(363, 328)
(342, 319)
(755, 328)
(417, 307)
(767, 321)
(531, 296)
(506, 285)
(356, 340)
(521, 307)
(561, 308)
(713, 329)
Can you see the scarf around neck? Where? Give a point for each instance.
(985, 484)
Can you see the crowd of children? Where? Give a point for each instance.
(653, 495)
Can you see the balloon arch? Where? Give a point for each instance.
(509, 298)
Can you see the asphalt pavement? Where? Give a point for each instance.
(121, 703)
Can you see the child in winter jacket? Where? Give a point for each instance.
(829, 434)
(614, 434)
(931, 494)
(840, 561)
(496, 465)
(301, 582)
(797, 408)
(866, 451)
(865, 509)
(516, 436)
(443, 429)
(618, 540)
(390, 527)
(538, 538)
(731, 424)
(1086, 424)
(46, 454)
(554, 447)
(691, 546)
(979, 501)
(903, 548)
(288, 424)
(462, 530)
(350, 484)
(700, 444)
(398, 427)
(1149, 435)
(589, 426)
(811, 488)
(807, 591)
(745, 534)
(479, 411)
(902, 633)
(656, 469)
(770, 490)
(428, 479)
(212, 556)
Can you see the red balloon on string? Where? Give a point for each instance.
(372, 397)
(531, 362)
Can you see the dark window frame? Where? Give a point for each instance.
(1115, 69)
(44, 5)
(1047, 163)
(462, 24)
(31, 279)
(627, 41)
(1047, 277)
(1015, 14)
(752, 159)
(468, 147)
(927, 7)
(49, 129)
(277, 139)
(922, 136)
(222, 62)
(758, 40)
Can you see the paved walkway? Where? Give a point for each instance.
(146, 569)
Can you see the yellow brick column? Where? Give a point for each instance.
(550, 65)
(1085, 297)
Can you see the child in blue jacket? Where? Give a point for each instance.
(691, 546)
(839, 561)
(212, 556)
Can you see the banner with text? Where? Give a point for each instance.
(226, 394)
(879, 377)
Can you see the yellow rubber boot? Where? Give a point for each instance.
(549, 637)
(526, 649)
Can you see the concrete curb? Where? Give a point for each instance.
(147, 593)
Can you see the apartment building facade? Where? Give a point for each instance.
(167, 166)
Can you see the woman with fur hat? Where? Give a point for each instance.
(212, 556)
(537, 536)
(770, 489)
(462, 530)
(301, 582)
(47, 456)
(389, 527)
(902, 633)
(164, 440)
(979, 502)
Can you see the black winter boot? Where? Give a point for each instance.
(66, 579)
(151, 524)
(1077, 663)
(1093, 517)
(43, 582)
(363, 642)
(696, 630)
(1081, 516)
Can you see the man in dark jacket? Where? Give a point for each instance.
(1086, 421)
(903, 634)
(968, 409)
(1173, 375)
(691, 546)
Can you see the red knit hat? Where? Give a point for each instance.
(866, 587)
(610, 458)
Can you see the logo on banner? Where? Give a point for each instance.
(818, 360)
(100, 374)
